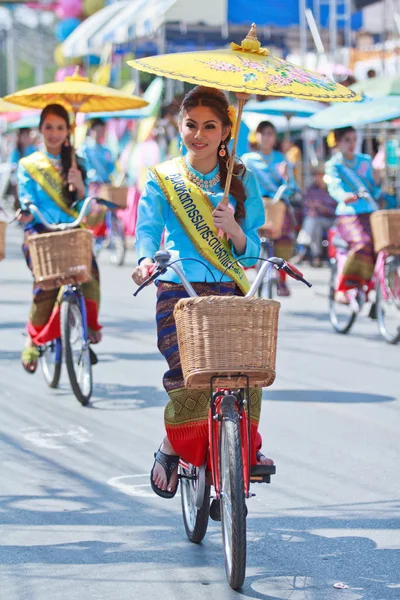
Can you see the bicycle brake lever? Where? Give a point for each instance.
(156, 272)
(295, 273)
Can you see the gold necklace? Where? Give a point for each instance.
(206, 184)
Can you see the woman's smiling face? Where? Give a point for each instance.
(202, 132)
(55, 132)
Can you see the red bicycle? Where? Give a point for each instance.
(228, 466)
(385, 285)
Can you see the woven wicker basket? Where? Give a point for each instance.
(61, 257)
(3, 227)
(118, 195)
(274, 216)
(385, 225)
(225, 336)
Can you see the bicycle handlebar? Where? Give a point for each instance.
(163, 262)
(32, 208)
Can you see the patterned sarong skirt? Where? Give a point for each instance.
(44, 318)
(359, 266)
(187, 410)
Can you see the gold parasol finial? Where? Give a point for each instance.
(76, 76)
(252, 33)
(251, 43)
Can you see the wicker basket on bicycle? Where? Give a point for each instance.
(3, 227)
(112, 193)
(274, 217)
(60, 258)
(225, 336)
(385, 225)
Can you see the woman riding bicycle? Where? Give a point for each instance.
(44, 179)
(196, 182)
(272, 169)
(351, 182)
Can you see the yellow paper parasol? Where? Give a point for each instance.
(245, 69)
(8, 107)
(77, 94)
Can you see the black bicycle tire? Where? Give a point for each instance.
(334, 321)
(66, 348)
(380, 319)
(196, 535)
(119, 260)
(230, 427)
(55, 380)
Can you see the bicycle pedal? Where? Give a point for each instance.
(262, 473)
(93, 357)
(215, 510)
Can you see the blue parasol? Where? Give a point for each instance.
(366, 112)
(284, 107)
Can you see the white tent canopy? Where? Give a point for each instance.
(117, 24)
(78, 43)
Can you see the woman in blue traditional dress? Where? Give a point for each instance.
(184, 196)
(351, 182)
(44, 179)
(272, 169)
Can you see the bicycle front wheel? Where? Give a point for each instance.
(117, 245)
(342, 316)
(195, 500)
(233, 505)
(76, 350)
(50, 359)
(388, 301)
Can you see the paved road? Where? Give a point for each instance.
(79, 522)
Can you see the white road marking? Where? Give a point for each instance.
(44, 437)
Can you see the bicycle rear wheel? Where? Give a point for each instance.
(388, 301)
(233, 505)
(51, 360)
(342, 316)
(195, 500)
(76, 349)
(117, 244)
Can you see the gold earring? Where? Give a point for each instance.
(222, 151)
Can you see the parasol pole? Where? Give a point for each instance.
(242, 98)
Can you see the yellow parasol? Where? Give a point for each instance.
(8, 107)
(245, 69)
(76, 94)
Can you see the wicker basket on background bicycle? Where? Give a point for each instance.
(226, 335)
(3, 227)
(112, 193)
(274, 217)
(385, 225)
(61, 258)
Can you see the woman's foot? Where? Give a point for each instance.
(341, 298)
(283, 289)
(159, 475)
(263, 460)
(29, 358)
(95, 337)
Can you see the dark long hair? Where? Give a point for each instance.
(66, 152)
(19, 145)
(218, 103)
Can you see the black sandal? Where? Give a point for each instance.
(169, 463)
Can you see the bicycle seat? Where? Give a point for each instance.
(339, 242)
